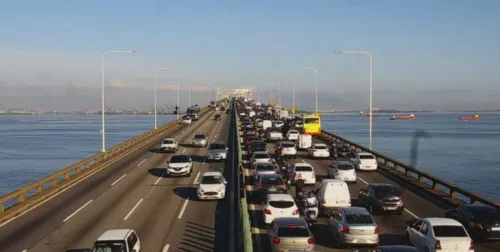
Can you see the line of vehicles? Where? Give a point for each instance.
(289, 219)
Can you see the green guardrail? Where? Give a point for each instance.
(245, 216)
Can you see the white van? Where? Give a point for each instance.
(305, 141)
(333, 194)
(267, 124)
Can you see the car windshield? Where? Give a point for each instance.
(274, 130)
(288, 145)
(272, 181)
(366, 157)
(293, 132)
(346, 167)
(211, 180)
(303, 168)
(359, 219)
(168, 141)
(382, 191)
(261, 156)
(187, 118)
(320, 147)
(293, 231)
(179, 159)
(264, 167)
(449, 231)
(217, 146)
(200, 136)
(311, 120)
(109, 246)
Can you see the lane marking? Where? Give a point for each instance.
(157, 181)
(165, 249)
(118, 180)
(258, 230)
(183, 208)
(196, 179)
(77, 210)
(184, 151)
(133, 209)
(25, 250)
(142, 162)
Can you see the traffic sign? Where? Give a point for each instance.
(271, 102)
(294, 110)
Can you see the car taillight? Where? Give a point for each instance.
(259, 186)
(345, 229)
(437, 245)
(471, 246)
(283, 186)
(324, 201)
(478, 225)
(379, 201)
(401, 200)
(377, 230)
(295, 212)
(267, 211)
(310, 240)
(349, 202)
(276, 240)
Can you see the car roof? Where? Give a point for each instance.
(260, 152)
(288, 142)
(200, 133)
(382, 185)
(264, 163)
(280, 197)
(355, 210)
(436, 221)
(218, 142)
(269, 175)
(302, 164)
(212, 173)
(319, 144)
(178, 155)
(327, 181)
(282, 221)
(364, 153)
(114, 234)
(169, 138)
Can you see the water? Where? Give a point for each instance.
(463, 153)
(33, 147)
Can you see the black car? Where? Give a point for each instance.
(340, 150)
(217, 117)
(228, 111)
(269, 183)
(257, 146)
(482, 222)
(378, 197)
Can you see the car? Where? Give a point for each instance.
(200, 139)
(365, 161)
(228, 111)
(274, 134)
(279, 124)
(247, 125)
(482, 222)
(304, 171)
(318, 150)
(286, 149)
(180, 165)
(212, 185)
(434, 234)
(353, 225)
(381, 197)
(217, 117)
(187, 120)
(340, 150)
(269, 183)
(261, 157)
(217, 150)
(125, 240)
(292, 135)
(290, 234)
(260, 168)
(279, 205)
(249, 140)
(343, 170)
(169, 145)
(257, 146)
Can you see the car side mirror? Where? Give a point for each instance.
(225, 182)
(227, 148)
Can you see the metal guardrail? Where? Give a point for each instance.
(453, 194)
(247, 232)
(14, 202)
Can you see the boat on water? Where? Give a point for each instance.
(411, 116)
(470, 118)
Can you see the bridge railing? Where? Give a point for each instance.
(17, 201)
(452, 194)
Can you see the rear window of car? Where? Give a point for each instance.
(320, 147)
(168, 141)
(281, 204)
(346, 167)
(449, 231)
(260, 156)
(265, 167)
(287, 145)
(382, 191)
(293, 231)
(200, 136)
(272, 181)
(366, 157)
(303, 168)
(359, 219)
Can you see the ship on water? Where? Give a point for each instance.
(411, 116)
(474, 117)
(367, 113)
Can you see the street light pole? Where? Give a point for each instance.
(103, 129)
(156, 114)
(293, 92)
(280, 97)
(316, 74)
(371, 91)
(178, 95)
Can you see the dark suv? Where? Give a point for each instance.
(378, 197)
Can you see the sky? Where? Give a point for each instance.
(426, 53)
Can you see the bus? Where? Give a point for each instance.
(312, 124)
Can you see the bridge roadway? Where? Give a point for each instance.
(392, 227)
(164, 211)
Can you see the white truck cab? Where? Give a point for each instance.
(305, 141)
(117, 240)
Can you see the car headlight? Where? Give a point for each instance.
(220, 189)
(200, 190)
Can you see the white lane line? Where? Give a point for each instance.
(142, 162)
(133, 209)
(406, 210)
(165, 249)
(183, 209)
(77, 210)
(196, 179)
(184, 151)
(118, 180)
(25, 250)
(157, 181)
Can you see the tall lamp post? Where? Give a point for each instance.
(103, 130)
(156, 114)
(178, 95)
(293, 93)
(371, 90)
(316, 74)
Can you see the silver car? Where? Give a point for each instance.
(217, 151)
(290, 233)
(200, 139)
(353, 225)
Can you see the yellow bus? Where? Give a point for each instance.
(312, 124)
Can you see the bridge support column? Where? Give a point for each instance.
(435, 185)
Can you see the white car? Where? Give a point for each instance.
(293, 135)
(263, 168)
(261, 157)
(180, 165)
(287, 149)
(274, 134)
(365, 161)
(169, 144)
(278, 124)
(187, 120)
(343, 170)
(304, 171)
(117, 240)
(279, 205)
(319, 150)
(212, 186)
(439, 234)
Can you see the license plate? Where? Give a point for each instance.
(341, 201)
(272, 189)
(390, 208)
(495, 228)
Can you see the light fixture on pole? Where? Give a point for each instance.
(371, 91)
(103, 129)
(316, 72)
(293, 94)
(156, 114)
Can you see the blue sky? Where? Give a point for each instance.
(417, 44)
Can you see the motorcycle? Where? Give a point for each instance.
(310, 211)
